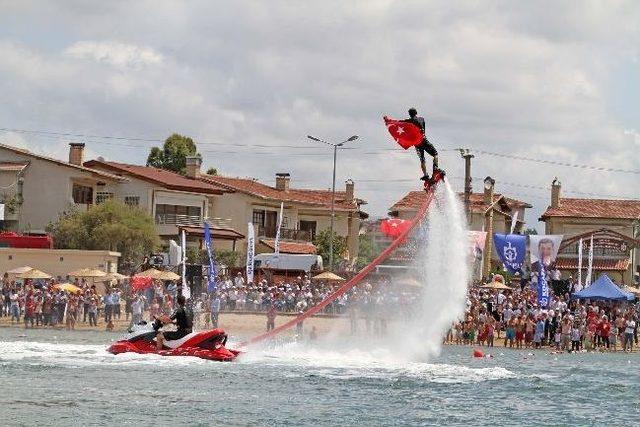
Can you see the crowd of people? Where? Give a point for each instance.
(508, 317)
(514, 319)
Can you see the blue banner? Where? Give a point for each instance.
(211, 285)
(511, 249)
(543, 287)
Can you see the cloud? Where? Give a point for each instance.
(526, 80)
(119, 55)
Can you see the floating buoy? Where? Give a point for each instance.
(478, 353)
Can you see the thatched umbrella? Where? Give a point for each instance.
(496, 285)
(328, 276)
(88, 273)
(20, 270)
(167, 275)
(33, 274)
(68, 287)
(152, 272)
(631, 289)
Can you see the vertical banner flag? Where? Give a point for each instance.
(544, 250)
(587, 280)
(511, 249)
(211, 284)
(276, 246)
(514, 222)
(251, 250)
(579, 284)
(186, 290)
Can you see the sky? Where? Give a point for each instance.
(523, 85)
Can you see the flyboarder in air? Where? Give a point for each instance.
(425, 145)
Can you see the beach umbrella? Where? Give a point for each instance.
(152, 272)
(328, 276)
(496, 286)
(167, 275)
(112, 276)
(33, 274)
(20, 270)
(88, 272)
(67, 287)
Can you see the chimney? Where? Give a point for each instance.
(76, 153)
(349, 187)
(193, 166)
(282, 181)
(556, 186)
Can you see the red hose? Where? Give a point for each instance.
(355, 280)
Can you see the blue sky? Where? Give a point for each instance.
(249, 80)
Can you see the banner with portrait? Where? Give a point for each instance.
(544, 250)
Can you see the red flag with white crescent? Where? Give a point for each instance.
(394, 227)
(404, 133)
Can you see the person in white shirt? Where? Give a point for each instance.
(629, 330)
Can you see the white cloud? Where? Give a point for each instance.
(120, 55)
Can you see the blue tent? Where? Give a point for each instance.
(603, 289)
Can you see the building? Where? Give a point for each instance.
(58, 262)
(614, 225)
(36, 189)
(176, 202)
(305, 212)
(488, 212)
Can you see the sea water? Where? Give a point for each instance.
(70, 379)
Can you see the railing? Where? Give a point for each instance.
(177, 219)
(285, 233)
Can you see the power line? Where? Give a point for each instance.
(557, 163)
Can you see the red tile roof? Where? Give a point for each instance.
(413, 200)
(595, 208)
(165, 178)
(291, 247)
(263, 191)
(598, 264)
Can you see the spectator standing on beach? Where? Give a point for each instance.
(271, 318)
(93, 310)
(630, 326)
(215, 309)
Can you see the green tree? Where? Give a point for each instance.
(173, 155)
(226, 258)
(322, 244)
(111, 225)
(367, 250)
(530, 231)
(212, 171)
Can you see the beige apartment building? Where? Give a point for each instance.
(614, 225)
(36, 189)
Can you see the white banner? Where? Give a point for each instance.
(251, 251)
(186, 290)
(579, 286)
(276, 245)
(587, 280)
(544, 248)
(514, 222)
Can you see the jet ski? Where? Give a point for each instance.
(141, 339)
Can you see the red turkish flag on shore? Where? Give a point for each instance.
(405, 134)
(140, 283)
(394, 227)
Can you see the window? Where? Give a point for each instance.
(309, 227)
(103, 196)
(179, 215)
(258, 218)
(132, 201)
(82, 194)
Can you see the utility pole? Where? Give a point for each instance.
(467, 156)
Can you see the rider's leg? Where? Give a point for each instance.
(159, 341)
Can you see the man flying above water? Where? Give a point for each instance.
(425, 145)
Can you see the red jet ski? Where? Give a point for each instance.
(203, 344)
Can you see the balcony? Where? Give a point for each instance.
(285, 233)
(178, 219)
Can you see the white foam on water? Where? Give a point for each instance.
(377, 363)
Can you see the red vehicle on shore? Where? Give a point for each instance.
(9, 239)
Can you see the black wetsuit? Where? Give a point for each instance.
(183, 322)
(425, 145)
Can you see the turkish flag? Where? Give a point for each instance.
(394, 227)
(139, 283)
(405, 134)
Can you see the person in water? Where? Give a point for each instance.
(425, 145)
(182, 321)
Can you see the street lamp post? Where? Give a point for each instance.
(333, 188)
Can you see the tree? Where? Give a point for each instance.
(367, 250)
(322, 244)
(212, 171)
(221, 257)
(530, 231)
(111, 225)
(173, 155)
